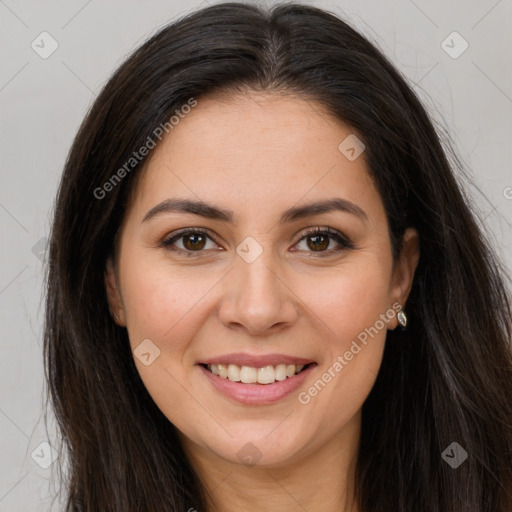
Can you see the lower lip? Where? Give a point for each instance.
(257, 394)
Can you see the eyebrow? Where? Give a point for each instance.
(210, 211)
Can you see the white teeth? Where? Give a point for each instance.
(280, 372)
(251, 375)
(266, 375)
(248, 375)
(223, 370)
(234, 373)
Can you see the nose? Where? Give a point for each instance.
(257, 297)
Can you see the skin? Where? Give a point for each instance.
(259, 154)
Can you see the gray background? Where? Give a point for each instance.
(44, 100)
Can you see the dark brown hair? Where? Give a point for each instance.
(447, 378)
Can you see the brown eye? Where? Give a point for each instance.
(194, 241)
(318, 242)
(190, 241)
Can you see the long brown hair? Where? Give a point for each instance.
(447, 378)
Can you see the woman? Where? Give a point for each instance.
(266, 288)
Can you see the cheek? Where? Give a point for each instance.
(348, 300)
(160, 301)
(354, 342)
(165, 305)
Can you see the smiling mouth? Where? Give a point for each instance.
(252, 375)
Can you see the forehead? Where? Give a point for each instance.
(254, 150)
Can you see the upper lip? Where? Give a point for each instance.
(256, 361)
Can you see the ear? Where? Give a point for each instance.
(404, 270)
(115, 301)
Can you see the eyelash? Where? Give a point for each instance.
(343, 241)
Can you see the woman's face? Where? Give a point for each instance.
(256, 288)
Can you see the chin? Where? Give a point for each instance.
(258, 447)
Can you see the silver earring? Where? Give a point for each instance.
(402, 318)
